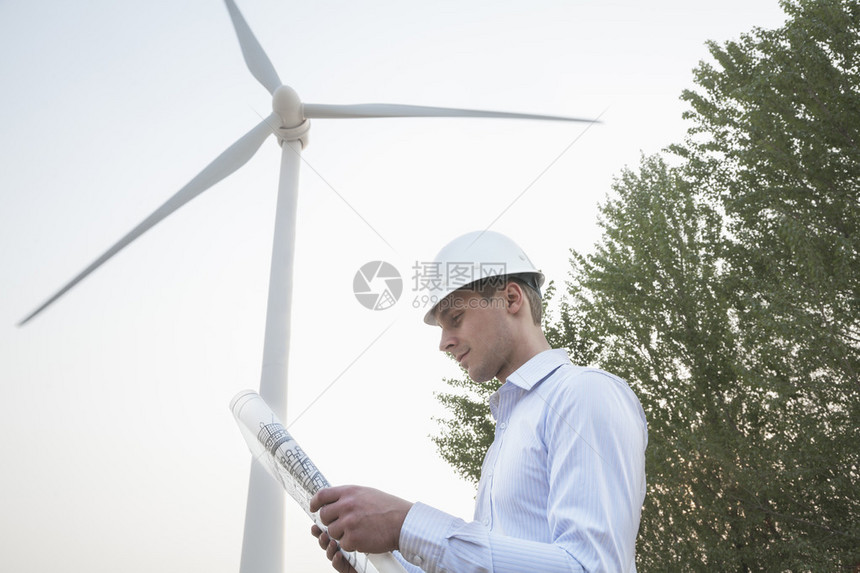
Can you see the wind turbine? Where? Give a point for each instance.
(262, 547)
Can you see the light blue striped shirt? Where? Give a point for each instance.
(561, 487)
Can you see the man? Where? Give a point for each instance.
(563, 483)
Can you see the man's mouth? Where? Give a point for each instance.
(460, 358)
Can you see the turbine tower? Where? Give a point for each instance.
(263, 541)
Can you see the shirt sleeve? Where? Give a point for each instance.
(595, 437)
(410, 568)
(438, 542)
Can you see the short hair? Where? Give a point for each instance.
(489, 286)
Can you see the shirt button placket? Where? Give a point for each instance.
(497, 446)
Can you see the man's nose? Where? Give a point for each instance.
(446, 342)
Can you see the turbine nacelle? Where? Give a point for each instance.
(288, 107)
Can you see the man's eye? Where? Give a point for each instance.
(456, 318)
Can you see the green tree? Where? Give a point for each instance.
(725, 290)
(776, 143)
(650, 297)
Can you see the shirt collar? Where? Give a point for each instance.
(538, 367)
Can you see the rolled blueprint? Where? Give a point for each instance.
(277, 451)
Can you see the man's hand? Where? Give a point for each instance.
(361, 518)
(332, 551)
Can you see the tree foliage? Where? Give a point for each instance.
(776, 144)
(652, 301)
(726, 290)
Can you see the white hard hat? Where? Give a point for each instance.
(472, 257)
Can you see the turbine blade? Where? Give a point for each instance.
(229, 161)
(256, 59)
(364, 110)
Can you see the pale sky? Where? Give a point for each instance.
(119, 451)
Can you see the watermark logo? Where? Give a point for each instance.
(377, 285)
(433, 281)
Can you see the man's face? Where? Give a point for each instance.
(475, 331)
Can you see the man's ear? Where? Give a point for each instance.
(514, 297)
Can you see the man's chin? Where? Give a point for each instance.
(479, 377)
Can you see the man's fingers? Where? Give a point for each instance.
(335, 531)
(328, 514)
(324, 497)
(331, 549)
(340, 563)
(321, 535)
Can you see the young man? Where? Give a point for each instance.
(563, 483)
